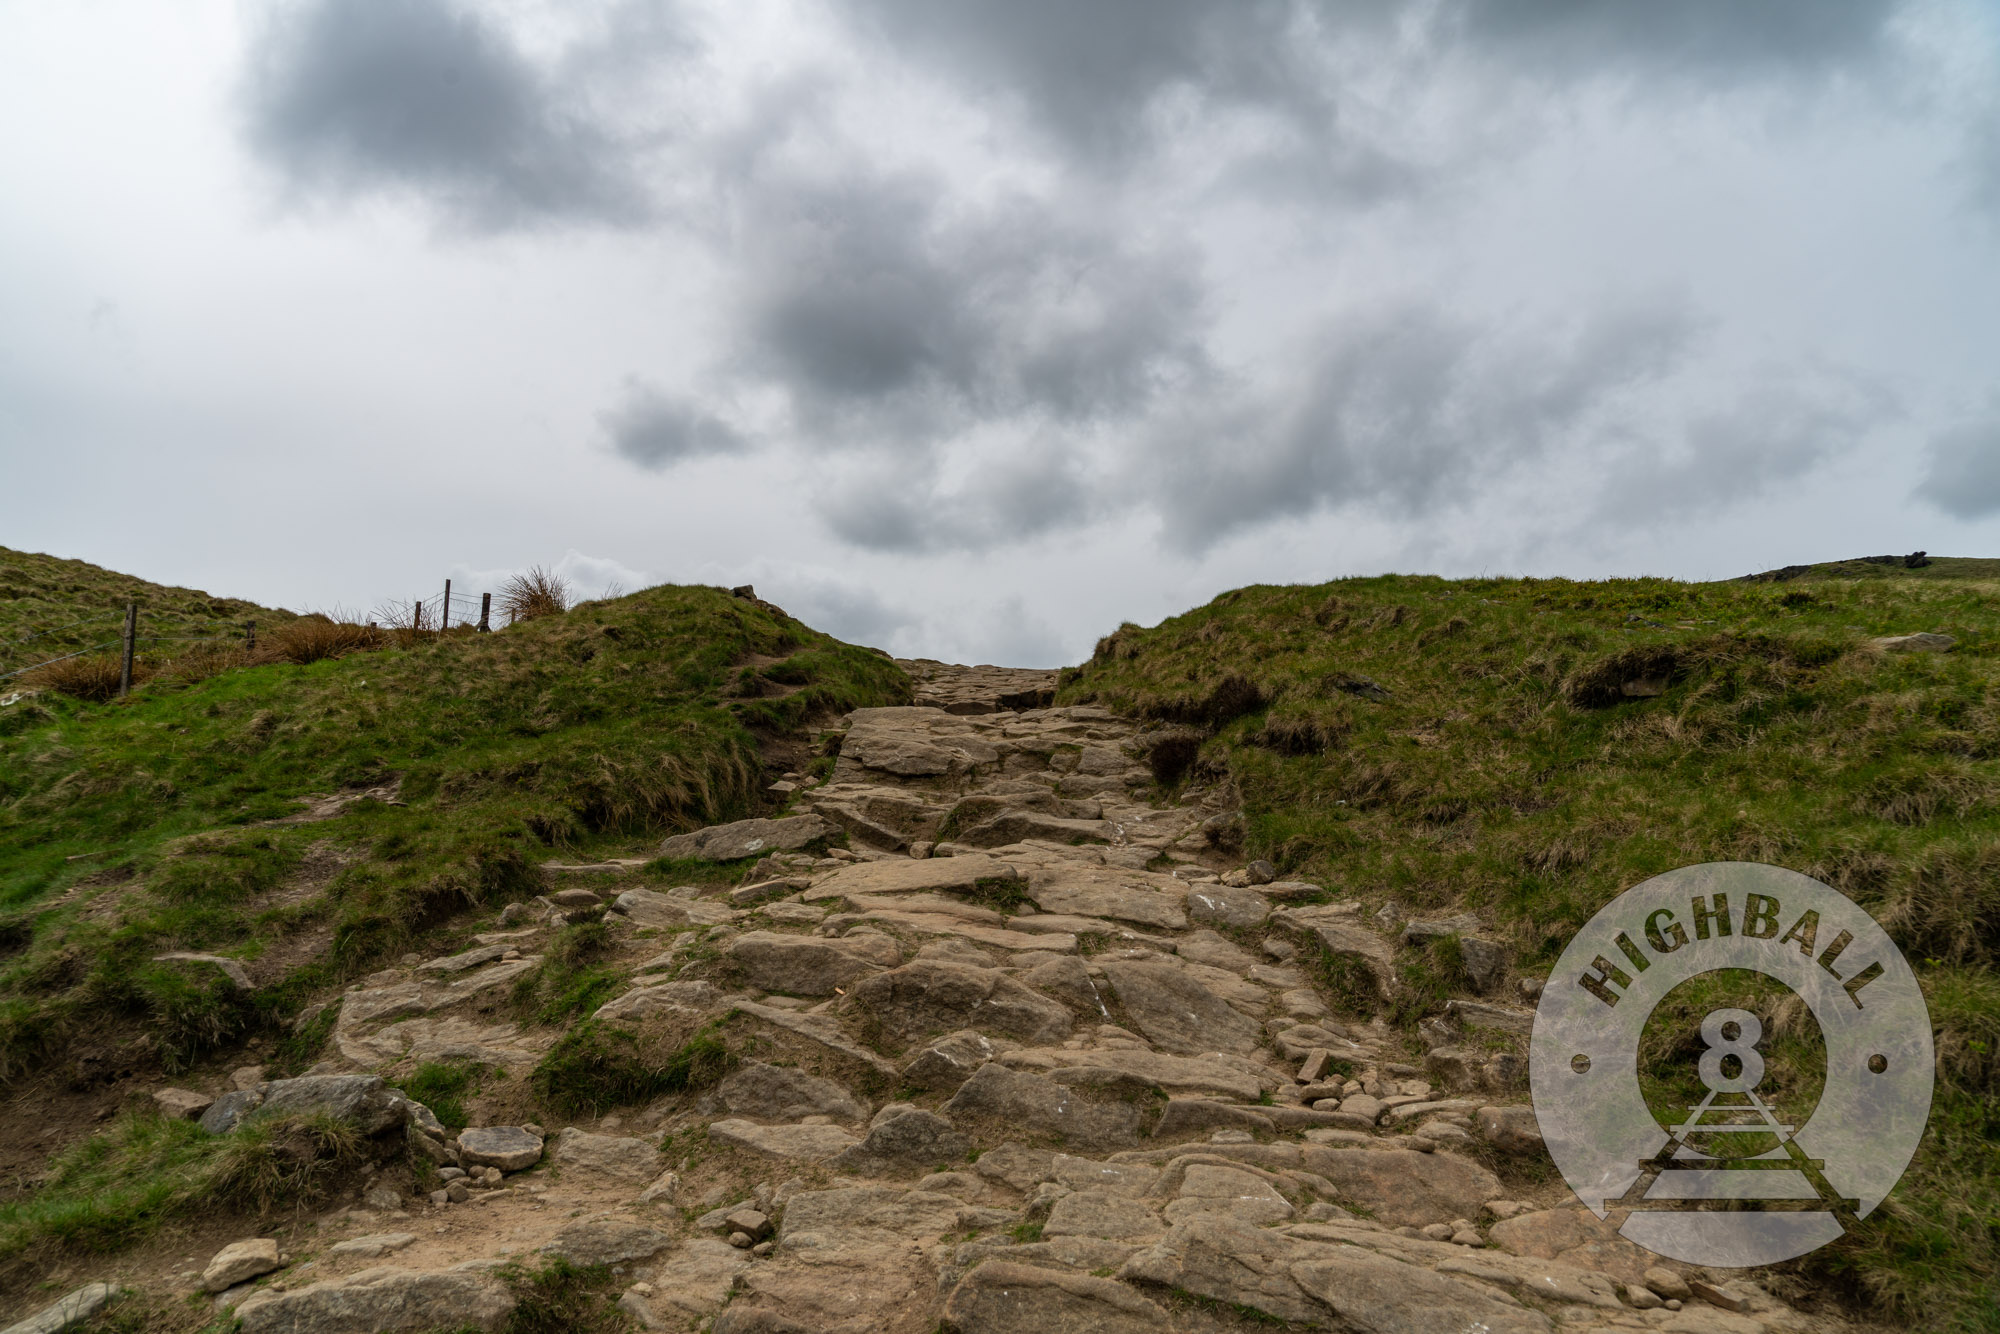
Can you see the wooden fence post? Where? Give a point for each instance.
(131, 634)
(250, 635)
(444, 616)
(485, 612)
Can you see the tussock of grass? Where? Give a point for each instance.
(595, 1067)
(1511, 756)
(537, 593)
(122, 1185)
(443, 1087)
(94, 677)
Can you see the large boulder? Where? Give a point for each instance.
(746, 838)
(381, 1301)
(1406, 1189)
(1003, 1298)
(779, 1093)
(930, 995)
(810, 965)
(1026, 1102)
(363, 1101)
(903, 1145)
(1176, 1012)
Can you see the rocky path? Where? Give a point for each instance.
(1032, 1051)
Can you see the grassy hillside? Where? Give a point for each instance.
(1531, 748)
(1918, 565)
(135, 827)
(50, 606)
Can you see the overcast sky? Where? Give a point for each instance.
(971, 328)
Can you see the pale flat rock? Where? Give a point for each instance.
(696, 1277)
(1175, 1074)
(810, 965)
(1176, 1012)
(929, 996)
(1102, 1213)
(1129, 896)
(746, 838)
(947, 1062)
(1577, 1238)
(1028, 1102)
(649, 907)
(907, 1145)
(1207, 1188)
(1222, 905)
(607, 1241)
(1228, 1260)
(402, 1000)
(440, 1038)
(1000, 1297)
(1120, 1178)
(907, 875)
(373, 1246)
(68, 1312)
(647, 1002)
(1377, 1295)
(780, 1093)
(998, 938)
(907, 1213)
(1208, 947)
(1548, 1280)
(381, 1301)
(182, 1104)
(925, 904)
(840, 1280)
(509, 1148)
(472, 958)
(238, 1262)
(1408, 1189)
(813, 1143)
(1338, 933)
(817, 1029)
(611, 1155)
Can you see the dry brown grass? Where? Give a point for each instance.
(539, 592)
(314, 637)
(91, 677)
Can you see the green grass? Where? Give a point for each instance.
(1469, 744)
(595, 1067)
(50, 606)
(122, 1185)
(443, 1087)
(569, 736)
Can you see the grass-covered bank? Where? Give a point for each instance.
(1531, 748)
(133, 828)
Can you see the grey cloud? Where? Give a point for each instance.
(1408, 411)
(1963, 478)
(857, 615)
(1090, 71)
(348, 97)
(1710, 39)
(1021, 495)
(1773, 434)
(657, 430)
(885, 318)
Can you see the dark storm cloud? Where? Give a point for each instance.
(423, 97)
(1963, 479)
(1090, 72)
(885, 315)
(1406, 412)
(1708, 39)
(657, 430)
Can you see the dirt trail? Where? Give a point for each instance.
(1032, 1051)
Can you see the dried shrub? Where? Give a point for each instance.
(91, 677)
(539, 592)
(313, 637)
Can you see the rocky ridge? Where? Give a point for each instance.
(1034, 1050)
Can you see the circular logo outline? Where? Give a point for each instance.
(1860, 1137)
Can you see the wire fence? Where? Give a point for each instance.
(445, 610)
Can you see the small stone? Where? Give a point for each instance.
(1280, 949)
(246, 1077)
(763, 1248)
(506, 1148)
(182, 1104)
(1467, 1237)
(1505, 1209)
(750, 1221)
(1641, 1298)
(451, 1174)
(1437, 1231)
(1531, 988)
(1674, 1303)
(441, 1196)
(1667, 1283)
(458, 1192)
(1260, 872)
(742, 1241)
(239, 1262)
(1721, 1296)
(634, 1304)
(383, 1199)
(575, 898)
